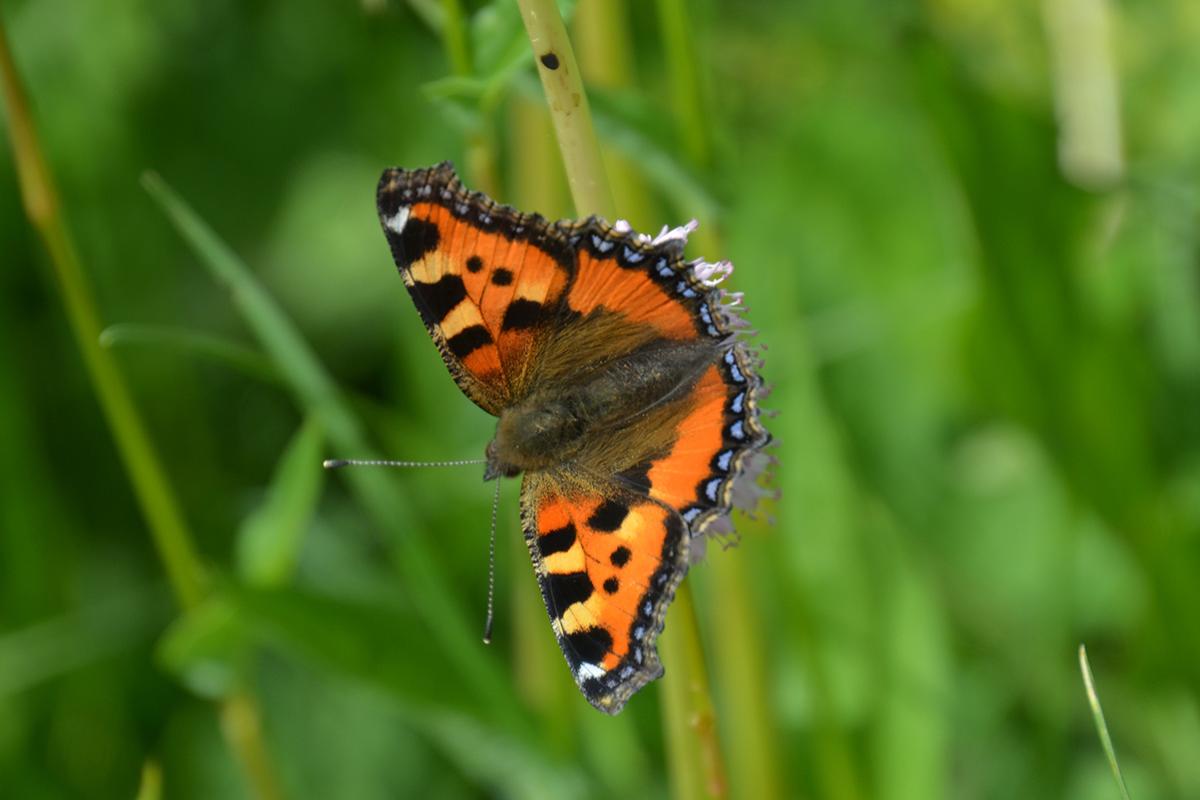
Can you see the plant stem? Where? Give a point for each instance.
(454, 38)
(241, 725)
(151, 487)
(145, 471)
(317, 393)
(691, 123)
(604, 50)
(536, 183)
(568, 108)
(479, 153)
(741, 680)
(747, 721)
(697, 769)
(691, 731)
(690, 727)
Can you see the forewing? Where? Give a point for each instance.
(700, 450)
(486, 279)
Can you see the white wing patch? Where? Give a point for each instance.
(397, 221)
(586, 671)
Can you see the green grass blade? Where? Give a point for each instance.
(289, 352)
(421, 575)
(150, 787)
(268, 545)
(197, 343)
(32, 655)
(693, 746)
(151, 486)
(146, 474)
(1110, 752)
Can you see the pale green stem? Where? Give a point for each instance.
(691, 731)
(568, 108)
(150, 786)
(242, 727)
(746, 722)
(479, 153)
(150, 484)
(690, 119)
(145, 471)
(693, 743)
(454, 38)
(536, 184)
(604, 51)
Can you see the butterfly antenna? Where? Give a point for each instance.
(338, 463)
(491, 601)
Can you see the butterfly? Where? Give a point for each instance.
(625, 392)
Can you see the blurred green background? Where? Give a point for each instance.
(966, 229)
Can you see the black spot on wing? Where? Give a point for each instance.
(418, 239)
(521, 314)
(502, 276)
(620, 556)
(557, 541)
(437, 299)
(468, 340)
(587, 646)
(609, 516)
(568, 588)
(474, 264)
(611, 586)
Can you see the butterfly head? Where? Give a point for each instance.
(534, 435)
(496, 465)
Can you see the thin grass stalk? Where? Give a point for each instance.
(154, 495)
(691, 122)
(536, 183)
(747, 725)
(316, 392)
(241, 725)
(168, 529)
(454, 38)
(480, 153)
(690, 726)
(1110, 752)
(569, 108)
(150, 785)
(696, 763)
(196, 343)
(604, 49)
(612, 745)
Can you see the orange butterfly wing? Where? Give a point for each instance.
(485, 278)
(611, 549)
(608, 566)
